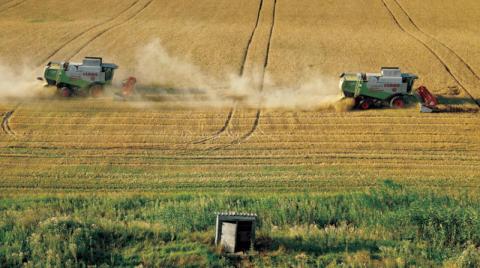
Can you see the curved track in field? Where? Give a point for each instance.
(2, 8)
(258, 114)
(241, 73)
(5, 126)
(220, 131)
(84, 32)
(435, 48)
(245, 54)
(100, 29)
(144, 5)
(463, 61)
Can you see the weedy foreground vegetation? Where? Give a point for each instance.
(386, 226)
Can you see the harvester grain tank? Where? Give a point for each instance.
(86, 78)
(390, 87)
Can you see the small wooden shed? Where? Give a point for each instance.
(235, 232)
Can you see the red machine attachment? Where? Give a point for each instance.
(128, 87)
(429, 101)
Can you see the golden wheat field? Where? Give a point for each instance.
(50, 143)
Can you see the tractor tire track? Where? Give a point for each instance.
(258, 114)
(440, 42)
(245, 54)
(231, 113)
(242, 138)
(220, 131)
(5, 126)
(435, 52)
(134, 15)
(98, 31)
(44, 60)
(269, 40)
(2, 9)
(5, 5)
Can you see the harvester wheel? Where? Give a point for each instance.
(397, 102)
(65, 91)
(96, 91)
(365, 104)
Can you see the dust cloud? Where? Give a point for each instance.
(181, 80)
(155, 67)
(19, 81)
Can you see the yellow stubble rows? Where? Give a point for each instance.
(103, 144)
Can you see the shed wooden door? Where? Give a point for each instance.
(229, 234)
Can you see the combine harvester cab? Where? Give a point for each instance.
(83, 79)
(390, 88)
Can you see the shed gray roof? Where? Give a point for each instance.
(233, 213)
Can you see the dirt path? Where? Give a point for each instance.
(455, 65)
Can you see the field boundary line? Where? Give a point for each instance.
(429, 48)
(85, 31)
(111, 28)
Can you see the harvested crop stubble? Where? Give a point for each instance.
(70, 145)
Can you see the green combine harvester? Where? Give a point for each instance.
(80, 79)
(390, 88)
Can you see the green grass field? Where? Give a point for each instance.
(390, 226)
